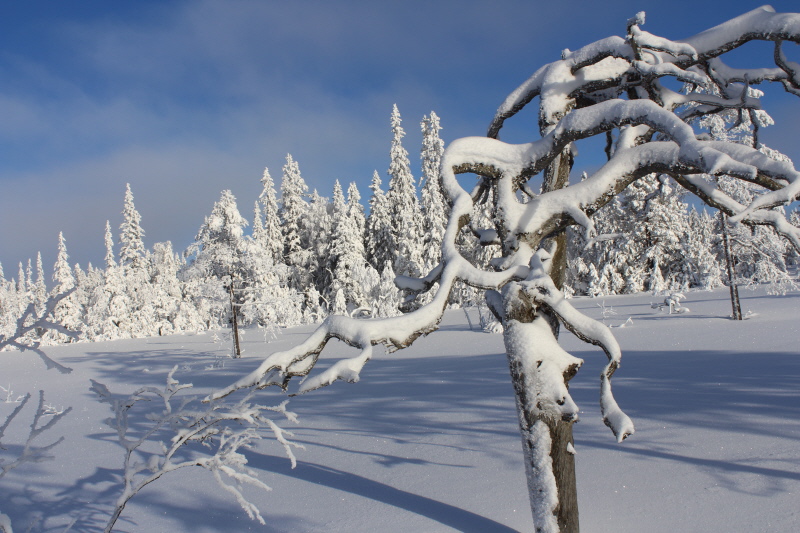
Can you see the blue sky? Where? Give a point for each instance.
(183, 99)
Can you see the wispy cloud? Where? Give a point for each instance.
(185, 98)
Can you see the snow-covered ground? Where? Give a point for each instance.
(428, 440)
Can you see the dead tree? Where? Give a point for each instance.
(613, 88)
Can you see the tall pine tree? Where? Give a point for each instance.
(379, 241)
(434, 208)
(271, 238)
(293, 211)
(403, 205)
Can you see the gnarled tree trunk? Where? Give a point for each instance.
(547, 440)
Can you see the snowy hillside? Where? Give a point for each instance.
(428, 440)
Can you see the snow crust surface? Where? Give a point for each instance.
(428, 439)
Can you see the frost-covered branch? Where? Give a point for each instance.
(31, 321)
(43, 420)
(523, 201)
(614, 66)
(541, 288)
(611, 85)
(170, 443)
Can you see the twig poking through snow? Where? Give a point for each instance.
(221, 429)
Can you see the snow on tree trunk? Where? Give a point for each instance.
(609, 88)
(546, 430)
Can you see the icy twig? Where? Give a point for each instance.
(222, 429)
(30, 321)
(31, 452)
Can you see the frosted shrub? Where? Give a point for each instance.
(186, 432)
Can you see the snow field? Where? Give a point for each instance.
(428, 439)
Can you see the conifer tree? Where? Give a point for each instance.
(220, 241)
(29, 278)
(133, 275)
(68, 312)
(40, 287)
(21, 289)
(317, 233)
(109, 242)
(258, 225)
(272, 237)
(111, 310)
(132, 249)
(293, 210)
(347, 253)
(403, 205)
(166, 288)
(218, 275)
(355, 210)
(434, 210)
(379, 242)
(388, 301)
(62, 273)
(701, 248)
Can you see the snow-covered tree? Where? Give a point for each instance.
(403, 205)
(269, 301)
(611, 88)
(110, 315)
(62, 272)
(756, 254)
(138, 318)
(270, 236)
(68, 311)
(132, 249)
(378, 241)
(109, 242)
(387, 299)
(434, 209)
(39, 287)
(700, 247)
(318, 235)
(166, 288)
(220, 241)
(218, 272)
(355, 210)
(346, 254)
(293, 211)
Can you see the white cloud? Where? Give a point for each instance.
(189, 98)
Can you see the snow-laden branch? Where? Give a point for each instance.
(619, 64)
(521, 227)
(30, 321)
(222, 428)
(540, 288)
(43, 420)
(394, 333)
(708, 191)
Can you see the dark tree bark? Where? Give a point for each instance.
(736, 305)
